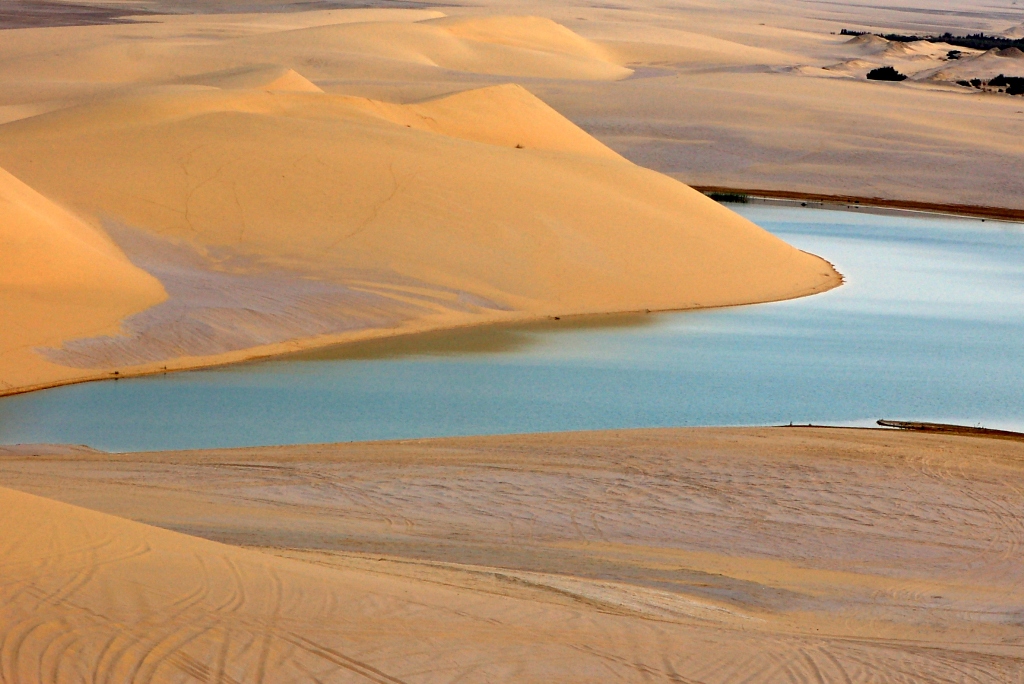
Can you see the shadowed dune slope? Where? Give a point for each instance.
(262, 77)
(59, 278)
(489, 193)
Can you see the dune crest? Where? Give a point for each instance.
(268, 77)
(530, 32)
(507, 115)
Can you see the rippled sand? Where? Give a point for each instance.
(686, 555)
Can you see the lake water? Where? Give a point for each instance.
(929, 326)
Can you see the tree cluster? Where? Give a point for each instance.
(975, 41)
(1011, 85)
(886, 73)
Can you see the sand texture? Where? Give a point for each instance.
(276, 216)
(690, 555)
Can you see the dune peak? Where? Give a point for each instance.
(268, 77)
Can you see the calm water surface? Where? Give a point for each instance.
(929, 326)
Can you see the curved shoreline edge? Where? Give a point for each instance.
(301, 345)
(824, 201)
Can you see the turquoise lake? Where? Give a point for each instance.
(929, 326)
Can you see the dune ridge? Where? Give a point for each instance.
(531, 47)
(270, 78)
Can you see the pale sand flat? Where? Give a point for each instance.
(710, 555)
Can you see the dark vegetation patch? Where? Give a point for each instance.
(886, 73)
(17, 14)
(734, 197)
(974, 41)
(1011, 85)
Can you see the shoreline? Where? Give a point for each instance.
(823, 201)
(912, 429)
(369, 335)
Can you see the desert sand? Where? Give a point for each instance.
(692, 555)
(187, 185)
(278, 214)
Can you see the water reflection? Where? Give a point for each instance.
(486, 339)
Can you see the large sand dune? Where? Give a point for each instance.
(700, 555)
(273, 215)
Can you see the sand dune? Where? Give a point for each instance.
(268, 78)
(984, 66)
(161, 49)
(59, 278)
(928, 61)
(351, 43)
(508, 46)
(726, 123)
(709, 555)
(868, 44)
(481, 206)
(507, 116)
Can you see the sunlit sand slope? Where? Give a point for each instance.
(367, 215)
(59, 277)
(268, 77)
(691, 555)
(89, 597)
